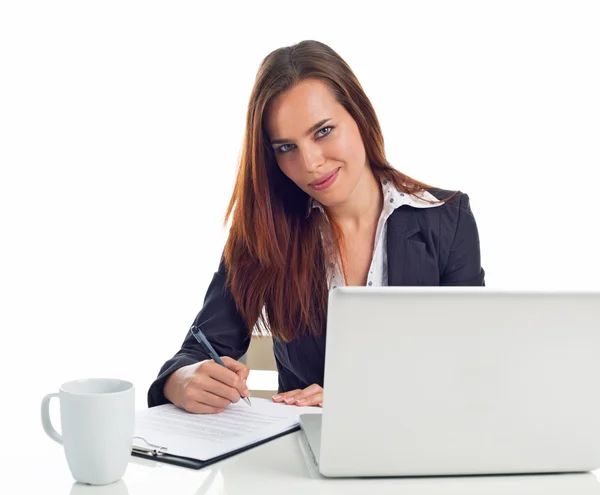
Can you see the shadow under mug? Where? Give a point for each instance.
(97, 417)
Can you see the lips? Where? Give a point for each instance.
(323, 179)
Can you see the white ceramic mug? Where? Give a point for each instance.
(97, 418)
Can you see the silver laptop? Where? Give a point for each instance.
(458, 380)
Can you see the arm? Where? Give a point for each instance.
(223, 326)
(463, 266)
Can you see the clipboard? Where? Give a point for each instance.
(146, 450)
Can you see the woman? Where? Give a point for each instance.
(315, 205)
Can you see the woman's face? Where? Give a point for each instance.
(316, 142)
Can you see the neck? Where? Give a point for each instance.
(363, 208)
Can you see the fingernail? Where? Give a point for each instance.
(277, 397)
(290, 400)
(301, 401)
(246, 392)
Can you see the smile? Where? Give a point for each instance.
(325, 181)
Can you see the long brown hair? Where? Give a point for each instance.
(275, 258)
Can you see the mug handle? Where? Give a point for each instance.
(46, 423)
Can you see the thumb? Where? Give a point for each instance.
(240, 369)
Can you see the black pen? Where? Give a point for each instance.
(196, 332)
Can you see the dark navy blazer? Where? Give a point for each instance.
(425, 247)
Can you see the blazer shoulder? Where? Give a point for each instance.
(444, 218)
(451, 202)
(455, 204)
(449, 196)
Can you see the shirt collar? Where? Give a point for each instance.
(392, 199)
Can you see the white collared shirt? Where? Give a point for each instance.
(392, 199)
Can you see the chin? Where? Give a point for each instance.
(332, 200)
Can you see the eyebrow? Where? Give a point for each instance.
(312, 129)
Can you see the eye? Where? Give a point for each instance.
(327, 128)
(283, 149)
(286, 148)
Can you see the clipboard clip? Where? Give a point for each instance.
(151, 449)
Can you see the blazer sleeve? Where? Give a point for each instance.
(223, 326)
(463, 265)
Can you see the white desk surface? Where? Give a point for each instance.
(279, 466)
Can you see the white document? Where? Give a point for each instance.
(204, 436)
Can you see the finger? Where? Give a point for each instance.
(192, 405)
(224, 375)
(238, 368)
(308, 391)
(313, 400)
(241, 370)
(212, 400)
(287, 397)
(206, 383)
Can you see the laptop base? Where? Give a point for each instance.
(311, 427)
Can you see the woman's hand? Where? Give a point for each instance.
(310, 396)
(207, 387)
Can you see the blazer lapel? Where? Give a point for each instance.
(409, 263)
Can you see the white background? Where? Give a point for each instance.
(121, 126)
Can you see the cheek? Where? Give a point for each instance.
(290, 170)
(347, 147)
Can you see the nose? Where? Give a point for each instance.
(312, 157)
